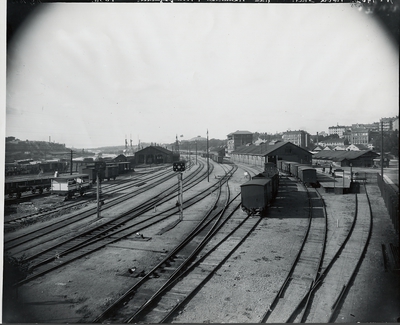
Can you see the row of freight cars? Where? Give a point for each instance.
(60, 184)
(258, 193)
(305, 173)
(215, 156)
(34, 167)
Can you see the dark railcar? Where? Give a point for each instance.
(21, 185)
(307, 175)
(112, 171)
(258, 193)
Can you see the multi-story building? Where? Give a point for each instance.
(237, 139)
(371, 126)
(360, 135)
(395, 124)
(339, 130)
(347, 135)
(387, 123)
(299, 138)
(334, 143)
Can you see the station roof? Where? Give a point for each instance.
(340, 155)
(264, 149)
(158, 148)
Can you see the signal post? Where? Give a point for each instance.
(179, 166)
(100, 167)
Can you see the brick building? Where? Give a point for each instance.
(237, 139)
(299, 138)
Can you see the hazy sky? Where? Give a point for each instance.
(88, 75)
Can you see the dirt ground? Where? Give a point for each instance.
(241, 289)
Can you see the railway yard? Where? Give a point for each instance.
(314, 256)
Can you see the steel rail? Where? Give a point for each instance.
(80, 216)
(188, 239)
(350, 281)
(93, 241)
(288, 278)
(27, 237)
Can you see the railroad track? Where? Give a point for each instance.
(109, 189)
(319, 298)
(305, 268)
(189, 255)
(16, 241)
(65, 252)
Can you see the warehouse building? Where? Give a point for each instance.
(155, 155)
(362, 158)
(271, 152)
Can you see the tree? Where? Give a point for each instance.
(390, 142)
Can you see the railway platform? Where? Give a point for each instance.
(338, 184)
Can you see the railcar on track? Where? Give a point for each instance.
(305, 173)
(258, 193)
(68, 185)
(19, 185)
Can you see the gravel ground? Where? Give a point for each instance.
(241, 289)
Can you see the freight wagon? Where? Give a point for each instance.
(19, 185)
(308, 175)
(111, 171)
(68, 185)
(258, 193)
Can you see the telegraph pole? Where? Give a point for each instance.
(98, 193)
(71, 164)
(382, 150)
(208, 167)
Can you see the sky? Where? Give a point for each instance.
(92, 75)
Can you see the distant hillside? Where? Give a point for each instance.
(36, 150)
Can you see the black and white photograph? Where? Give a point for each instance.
(200, 162)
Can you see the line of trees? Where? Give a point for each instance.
(390, 142)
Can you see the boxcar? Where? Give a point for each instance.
(307, 175)
(286, 166)
(91, 172)
(112, 171)
(256, 194)
(70, 184)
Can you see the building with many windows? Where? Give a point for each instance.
(387, 123)
(339, 130)
(360, 135)
(370, 126)
(395, 124)
(299, 138)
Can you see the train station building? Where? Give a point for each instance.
(257, 155)
(155, 155)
